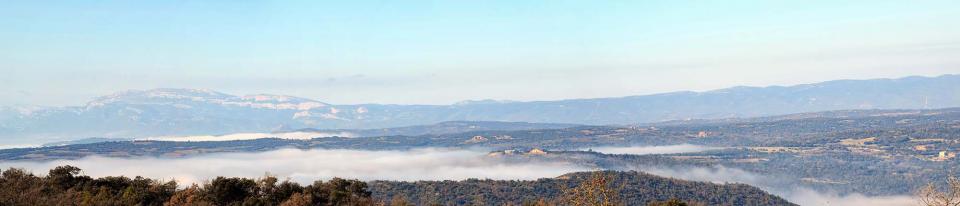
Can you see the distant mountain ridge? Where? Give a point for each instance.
(192, 111)
(450, 127)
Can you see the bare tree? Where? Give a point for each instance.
(931, 196)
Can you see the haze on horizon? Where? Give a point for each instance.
(444, 52)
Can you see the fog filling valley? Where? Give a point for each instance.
(795, 194)
(305, 166)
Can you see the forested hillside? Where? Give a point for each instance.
(629, 188)
(65, 186)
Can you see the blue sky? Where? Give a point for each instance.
(438, 52)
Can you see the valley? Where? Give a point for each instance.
(869, 152)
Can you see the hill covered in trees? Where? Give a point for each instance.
(629, 188)
(64, 185)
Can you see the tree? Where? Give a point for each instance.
(232, 190)
(192, 196)
(595, 191)
(931, 196)
(298, 199)
(399, 201)
(278, 193)
(339, 191)
(62, 177)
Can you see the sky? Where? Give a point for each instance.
(56, 53)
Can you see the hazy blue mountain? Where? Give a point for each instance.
(189, 111)
(450, 127)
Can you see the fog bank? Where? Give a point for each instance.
(793, 193)
(811, 197)
(305, 166)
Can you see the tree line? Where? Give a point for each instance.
(64, 186)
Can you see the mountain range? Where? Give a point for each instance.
(157, 112)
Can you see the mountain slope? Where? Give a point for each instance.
(190, 112)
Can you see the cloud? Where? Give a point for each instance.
(643, 150)
(717, 174)
(305, 166)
